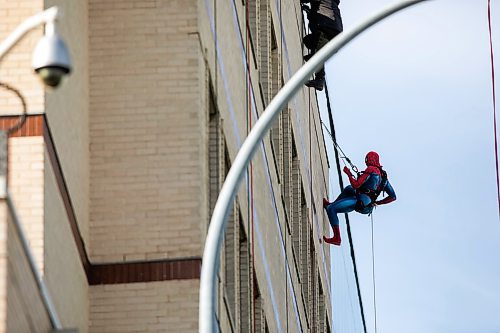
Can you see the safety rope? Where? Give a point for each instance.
(341, 184)
(250, 203)
(494, 104)
(216, 102)
(280, 50)
(373, 278)
(22, 117)
(332, 136)
(343, 157)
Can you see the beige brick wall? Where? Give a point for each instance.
(144, 129)
(26, 187)
(25, 311)
(3, 267)
(64, 274)
(67, 109)
(53, 243)
(16, 66)
(170, 306)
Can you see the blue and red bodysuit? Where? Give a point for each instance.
(361, 195)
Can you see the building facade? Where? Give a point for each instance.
(114, 175)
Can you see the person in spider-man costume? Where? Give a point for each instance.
(360, 196)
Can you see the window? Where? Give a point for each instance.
(305, 259)
(234, 301)
(253, 6)
(261, 325)
(275, 136)
(296, 204)
(237, 267)
(264, 48)
(236, 273)
(215, 177)
(283, 146)
(276, 80)
(230, 265)
(311, 282)
(286, 168)
(215, 149)
(244, 281)
(321, 307)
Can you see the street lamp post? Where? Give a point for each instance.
(51, 62)
(211, 254)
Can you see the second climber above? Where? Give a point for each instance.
(361, 195)
(325, 23)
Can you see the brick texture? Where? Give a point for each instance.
(3, 268)
(170, 306)
(64, 274)
(16, 66)
(26, 173)
(25, 311)
(144, 128)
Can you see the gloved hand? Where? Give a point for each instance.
(347, 171)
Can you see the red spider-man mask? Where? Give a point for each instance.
(372, 159)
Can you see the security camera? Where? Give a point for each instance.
(51, 60)
(52, 75)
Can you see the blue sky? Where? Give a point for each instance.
(417, 89)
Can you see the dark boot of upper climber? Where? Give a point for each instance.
(317, 83)
(308, 56)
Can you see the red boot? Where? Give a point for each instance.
(325, 203)
(335, 240)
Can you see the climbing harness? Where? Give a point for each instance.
(373, 194)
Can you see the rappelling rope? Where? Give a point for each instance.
(373, 278)
(250, 196)
(343, 157)
(22, 117)
(348, 225)
(494, 104)
(280, 50)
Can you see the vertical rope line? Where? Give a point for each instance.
(250, 203)
(348, 225)
(218, 129)
(216, 52)
(373, 278)
(22, 117)
(494, 104)
(313, 275)
(279, 71)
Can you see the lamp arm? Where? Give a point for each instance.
(46, 17)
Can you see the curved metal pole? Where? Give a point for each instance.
(42, 288)
(211, 254)
(48, 16)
